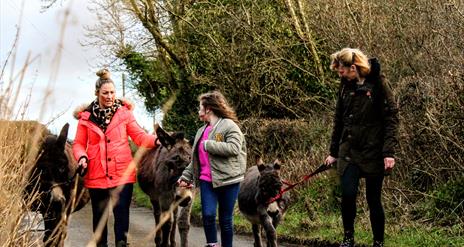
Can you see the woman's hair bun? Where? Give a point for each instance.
(103, 74)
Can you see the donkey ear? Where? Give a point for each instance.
(260, 164)
(178, 136)
(277, 164)
(61, 141)
(156, 126)
(165, 139)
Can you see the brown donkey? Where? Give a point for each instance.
(157, 176)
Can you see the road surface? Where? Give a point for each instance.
(141, 223)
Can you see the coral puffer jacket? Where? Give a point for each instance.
(109, 153)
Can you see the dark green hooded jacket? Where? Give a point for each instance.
(365, 123)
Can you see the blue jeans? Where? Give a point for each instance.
(225, 196)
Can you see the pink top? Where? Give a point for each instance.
(205, 167)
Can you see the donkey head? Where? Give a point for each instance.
(52, 168)
(177, 152)
(175, 156)
(269, 180)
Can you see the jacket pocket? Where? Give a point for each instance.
(122, 162)
(95, 169)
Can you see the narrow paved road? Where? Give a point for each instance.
(141, 223)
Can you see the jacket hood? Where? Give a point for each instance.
(84, 107)
(375, 68)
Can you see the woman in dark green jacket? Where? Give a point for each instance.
(364, 137)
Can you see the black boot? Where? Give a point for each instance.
(377, 243)
(348, 239)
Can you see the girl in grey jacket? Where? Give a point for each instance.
(218, 165)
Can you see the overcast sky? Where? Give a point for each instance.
(39, 35)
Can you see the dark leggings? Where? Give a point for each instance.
(350, 183)
(100, 199)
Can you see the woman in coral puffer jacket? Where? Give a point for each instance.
(101, 147)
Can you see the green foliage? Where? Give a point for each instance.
(445, 206)
(147, 77)
(290, 140)
(424, 235)
(449, 198)
(157, 83)
(248, 49)
(183, 115)
(140, 198)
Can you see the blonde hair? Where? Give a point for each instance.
(350, 56)
(104, 77)
(217, 103)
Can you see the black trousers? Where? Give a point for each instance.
(350, 183)
(100, 199)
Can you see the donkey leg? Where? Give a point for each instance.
(172, 232)
(184, 224)
(257, 235)
(54, 232)
(271, 234)
(49, 224)
(156, 214)
(165, 230)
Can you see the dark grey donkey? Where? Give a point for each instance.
(262, 183)
(157, 176)
(54, 187)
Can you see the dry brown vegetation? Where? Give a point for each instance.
(17, 153)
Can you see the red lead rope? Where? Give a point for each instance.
(290, 186)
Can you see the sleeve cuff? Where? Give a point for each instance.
(204, 145)
(83, 157)
(388, 155)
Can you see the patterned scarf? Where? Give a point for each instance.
(102, 117)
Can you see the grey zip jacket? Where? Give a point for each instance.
(226, 149)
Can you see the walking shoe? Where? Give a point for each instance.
(122, 243)
(348, 239)
(377, 243)
(212, 245)
(347, 242)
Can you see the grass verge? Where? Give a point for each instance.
(323, 227)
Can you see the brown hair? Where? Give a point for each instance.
(349, 56)
(217, 103)
(104, 77)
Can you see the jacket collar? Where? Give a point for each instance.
(81, 110)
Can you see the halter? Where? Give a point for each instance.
(80, 170)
